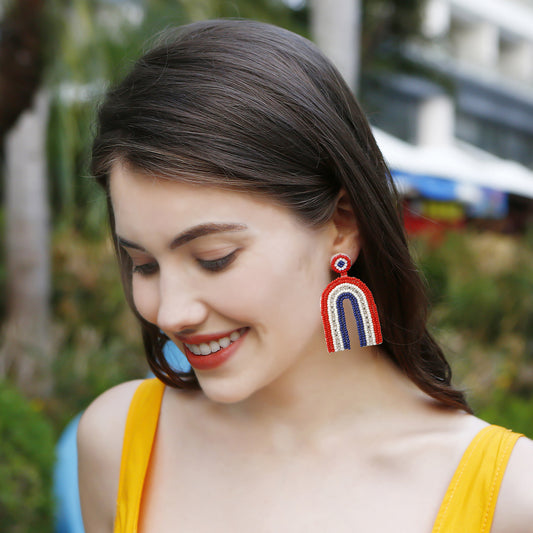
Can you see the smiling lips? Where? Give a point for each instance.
(209, 347)
(208, 351)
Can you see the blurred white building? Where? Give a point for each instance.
(466, 116)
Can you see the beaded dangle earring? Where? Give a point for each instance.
(363, 305)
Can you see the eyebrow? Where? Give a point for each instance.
(190, 234)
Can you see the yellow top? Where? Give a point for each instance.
(139, 434)
(471, 497)
(468, 504)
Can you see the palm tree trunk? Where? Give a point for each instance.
(25, 353)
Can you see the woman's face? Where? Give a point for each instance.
(232, 279)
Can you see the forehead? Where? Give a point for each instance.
(137, 197)
(129, 185)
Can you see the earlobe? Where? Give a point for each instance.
(346, 229)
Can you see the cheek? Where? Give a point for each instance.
(239, 296)
(145, 300)
(288, 291)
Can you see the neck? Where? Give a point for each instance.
(360, 387)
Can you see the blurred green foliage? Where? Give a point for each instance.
(385, 23)
(481, 283)
(26, 460)
(96, 333)
(510, 411)
(481, 290)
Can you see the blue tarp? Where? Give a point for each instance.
(480, 202)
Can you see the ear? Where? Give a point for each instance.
(346, 231)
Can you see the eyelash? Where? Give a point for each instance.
(145, 270)
(217, 265)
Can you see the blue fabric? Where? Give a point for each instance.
(175, 358)
(68, 510)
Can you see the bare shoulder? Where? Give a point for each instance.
(514, 510)
(100, 435)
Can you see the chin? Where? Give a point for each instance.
(225, 393)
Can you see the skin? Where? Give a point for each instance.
(283, 435)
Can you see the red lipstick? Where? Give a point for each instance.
(213, 360)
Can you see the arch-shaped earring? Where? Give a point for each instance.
(363, 305)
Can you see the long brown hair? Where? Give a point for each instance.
(251, 107)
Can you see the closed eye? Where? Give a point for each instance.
(146, 269)
(217, 265)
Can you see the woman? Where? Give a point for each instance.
(237, 163)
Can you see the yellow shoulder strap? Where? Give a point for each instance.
(139, 434)
(471, 497)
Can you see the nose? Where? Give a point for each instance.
(180, 307)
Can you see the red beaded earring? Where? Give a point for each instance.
(363, 305)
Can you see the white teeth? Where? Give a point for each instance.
(214, 346)
(224, 342)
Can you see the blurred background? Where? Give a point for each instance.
(448, 88)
